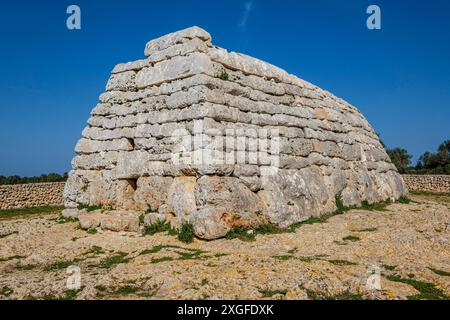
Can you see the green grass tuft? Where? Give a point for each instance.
(159, 226)
(404, 200)
(58, 265)
(120, 257)
(223, 76)
(12, 258)
(241, 234)
(91, 230)
(10, 213)
(389, 267)
(163, 259)
(351, 238)
(6, 291)
(340, 262)
(268, 293)
(186, 233)
(427, 290)
(89, 208)
(440, 272)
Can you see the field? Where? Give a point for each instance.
(407, 244)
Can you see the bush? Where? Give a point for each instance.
(186, 233)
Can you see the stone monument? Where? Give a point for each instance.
(196, 134)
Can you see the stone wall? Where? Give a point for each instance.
(31, 195)
(431, 183)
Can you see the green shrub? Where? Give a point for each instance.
(186, 233)
(223, 76)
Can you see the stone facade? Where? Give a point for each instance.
(290, 147)
(431, 183)
(31, 195)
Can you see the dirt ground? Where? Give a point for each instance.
(406, 246)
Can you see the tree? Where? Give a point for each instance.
(400, 158)
(437, 163)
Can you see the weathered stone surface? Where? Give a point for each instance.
(151, 192)
(120, 221)
(70, 213)
(175, 68)
(90, 220)
(197, 134)
(175, 38)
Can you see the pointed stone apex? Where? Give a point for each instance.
(178, 37)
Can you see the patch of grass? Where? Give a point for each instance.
(159, 226)
(378, 206)
(223, 76)
(427, 290)
(58, 265)
(440, 272)
(126, 290)
(158, 248)
(366, 230)
(340, 262)
(92, 231)
(311, 220)
(389, 267)
(6, 291)
(404, 200)
(95, 250)
(71, 294)
(12, 258)
(190, 255)
(25, 267)
(8, 234)
(269, 229)
(351, 238)
(241, 234)
(292, 251)
(89, 208)
(218, 255)
(186, 233)
(62, 220)
(268, 293)
(163, 259)
(10, 213)
(346, 295)
(100, 288)
(120, 257)
(283, 257)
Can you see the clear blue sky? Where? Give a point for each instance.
(51, 77)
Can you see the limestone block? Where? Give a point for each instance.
(175, 68)
(90, 220)
(151, 192)
(172, 39)
(120, 221)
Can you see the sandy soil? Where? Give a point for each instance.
(408, 244)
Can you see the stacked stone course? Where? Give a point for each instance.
(31, 195)
(126, 160)
(430, 183)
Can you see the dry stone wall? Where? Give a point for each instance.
(194, 133)
(31, 195)
(431, 183)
